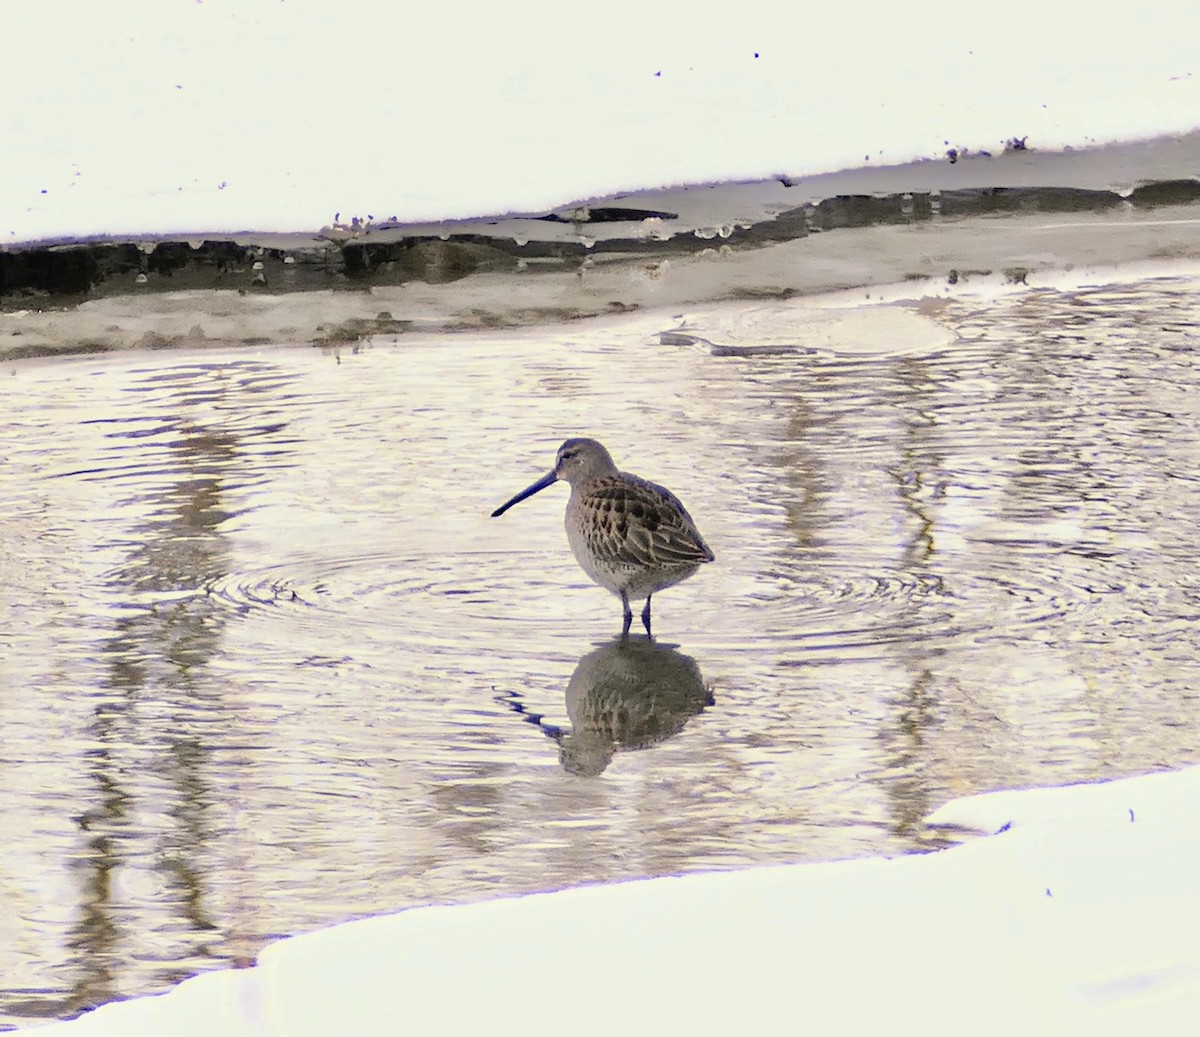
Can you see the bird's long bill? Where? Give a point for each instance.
(546, 480)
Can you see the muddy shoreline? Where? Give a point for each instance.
(358, 278)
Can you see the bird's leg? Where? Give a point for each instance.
(628, 614)
(646, 618)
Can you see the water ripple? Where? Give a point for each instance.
(273, 665)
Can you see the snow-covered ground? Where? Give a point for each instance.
(1080, 914)
(161, 116)
(209, 115)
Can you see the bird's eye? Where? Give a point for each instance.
(568, 455)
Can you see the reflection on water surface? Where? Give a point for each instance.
(267, 664)
(628, 694)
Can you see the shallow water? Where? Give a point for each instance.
(267, 663)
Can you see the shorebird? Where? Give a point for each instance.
(631, 536)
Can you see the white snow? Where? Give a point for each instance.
(1081, 917)
(174, 115)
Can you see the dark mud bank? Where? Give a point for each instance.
(357, 277)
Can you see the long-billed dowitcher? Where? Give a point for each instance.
(631, 536)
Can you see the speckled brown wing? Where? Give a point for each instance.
(633, 523)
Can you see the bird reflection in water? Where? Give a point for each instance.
(627, 694)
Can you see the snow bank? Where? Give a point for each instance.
(158, 116)
(1079, 916)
